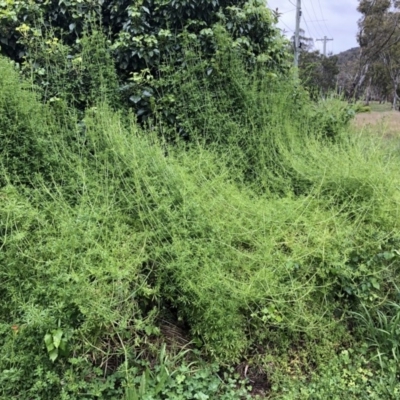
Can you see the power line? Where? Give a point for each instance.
(287, 26)
(323, 18)
(316, 34)
(315, 22)
(316, 18)
(286, 12)
(305, 21)
(324, 21)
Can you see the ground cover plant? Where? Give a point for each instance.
(250, 234)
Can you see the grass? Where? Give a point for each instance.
(384, 123)
(269, 240)
(380, 107)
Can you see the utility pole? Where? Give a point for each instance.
(325, 39)
(297, 34)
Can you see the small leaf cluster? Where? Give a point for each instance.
(185, 382)
(348, 374)
(57, 343)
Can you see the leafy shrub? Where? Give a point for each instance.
(141, 37)
(332, 116)
(139, 44)
(80, 74)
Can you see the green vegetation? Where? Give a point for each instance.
(239, 242)
(141, 37)
(376, 73)
(383, 107)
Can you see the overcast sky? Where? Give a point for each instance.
(336, 19)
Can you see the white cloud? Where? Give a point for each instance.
(335, 19)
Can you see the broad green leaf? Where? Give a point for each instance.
(53, 355)
(48, 339)
(57, 335)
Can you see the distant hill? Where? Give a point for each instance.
(348, 56)
(348, 63)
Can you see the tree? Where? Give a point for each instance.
(391, 60)
(378, 33)
(144, 35)
(348, 63)
(317, 71)
(379, 83)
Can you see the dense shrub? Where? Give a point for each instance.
(24, 129)
(267, 235)
(144, 33)
(141, 36)
(254, 120)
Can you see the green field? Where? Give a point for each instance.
(384, 107)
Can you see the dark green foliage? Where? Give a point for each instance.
(24, 130)
(318, 72)
(81, 74)
(151, 31)
(142, 35)
(163, 382)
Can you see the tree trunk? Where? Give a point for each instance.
(396, 85)
(368, 93)
(358, 81)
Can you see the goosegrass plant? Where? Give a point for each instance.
(81, 73)
(248, 118)
(25, 150)
(259, 234)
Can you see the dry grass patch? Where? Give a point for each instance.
(383, 123)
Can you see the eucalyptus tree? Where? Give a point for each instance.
(379, 38)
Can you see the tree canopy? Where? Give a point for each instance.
(379, 39)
